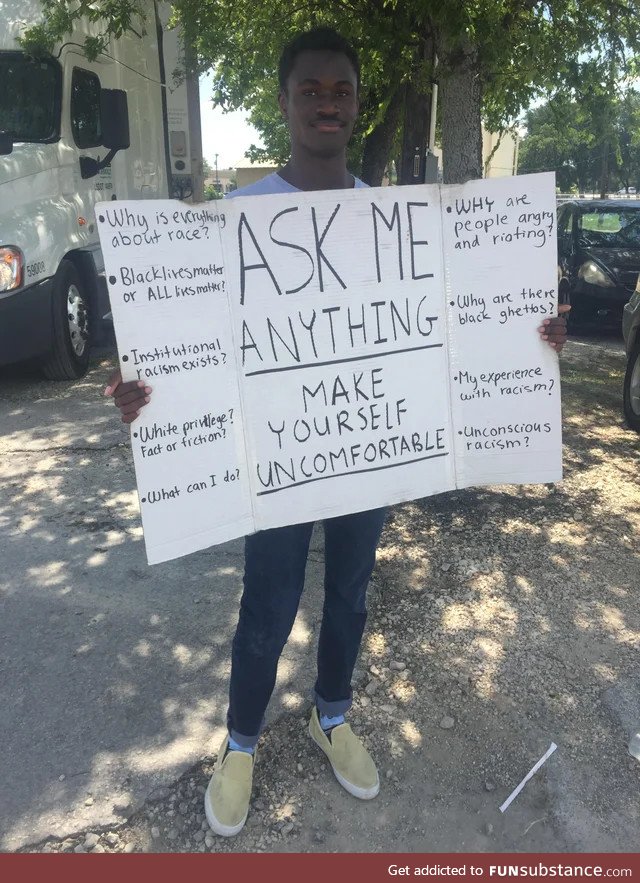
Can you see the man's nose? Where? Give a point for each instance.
(327, 105)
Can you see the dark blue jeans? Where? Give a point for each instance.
(275, 562)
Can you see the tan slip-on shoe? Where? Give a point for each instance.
(226, 800)
(350, 761)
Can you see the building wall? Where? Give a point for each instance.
(224, 177)
(504, 161)
(250, 174)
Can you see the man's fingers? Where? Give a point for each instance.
(133, 395)
(130, 407)
(131, 386)
(128, 397)
(115, 387)
(113, 382)
(554, 331)
(553, 326)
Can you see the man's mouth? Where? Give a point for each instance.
(328, 126)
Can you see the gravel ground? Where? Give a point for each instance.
(501, 619)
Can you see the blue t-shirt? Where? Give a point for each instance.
(273, 183)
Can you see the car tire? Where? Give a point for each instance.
(69, 357)
(631, 389)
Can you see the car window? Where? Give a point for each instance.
(601, 222)
(610, 228)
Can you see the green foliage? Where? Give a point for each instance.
(520, 49)
(111, 18)
(588, 130)
(210, 192)
(560, 138)
(245, 40)
(563, 136)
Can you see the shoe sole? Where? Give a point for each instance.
(354, 790)
(360, 793)
(216, 826)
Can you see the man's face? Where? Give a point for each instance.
(321, 102)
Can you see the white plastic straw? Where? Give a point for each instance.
(529, 775)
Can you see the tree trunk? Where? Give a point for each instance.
(461, 101)
(415, 134)
(379, 143)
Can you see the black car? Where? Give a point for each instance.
(598, 257)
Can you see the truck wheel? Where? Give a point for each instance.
(631, 390)
(69, 358)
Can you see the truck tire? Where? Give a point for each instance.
(69, 358)
(631, 389)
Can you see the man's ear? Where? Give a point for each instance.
(282, 102)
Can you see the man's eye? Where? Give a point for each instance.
(343, 94)
(309, 92)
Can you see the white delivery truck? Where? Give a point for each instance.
(74, 132)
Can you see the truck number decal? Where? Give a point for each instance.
(35, 269)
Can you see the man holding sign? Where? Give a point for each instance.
(319, 84)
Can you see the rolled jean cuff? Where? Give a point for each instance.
(334, 708)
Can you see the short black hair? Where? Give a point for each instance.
(320, 39)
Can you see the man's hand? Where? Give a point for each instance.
(128, 397)
(554, 331)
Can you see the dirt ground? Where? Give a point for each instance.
(501, 620)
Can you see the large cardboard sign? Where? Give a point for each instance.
(314, 354)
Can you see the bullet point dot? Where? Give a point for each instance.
(459, 432)
(455, 377)
(143, 500)
(125, 358)
(112, 280)
(135, 435)
(452, 303)
(101, 218)
(449, 209)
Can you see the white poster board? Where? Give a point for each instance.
(314, 354)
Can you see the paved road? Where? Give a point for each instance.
(113, 674)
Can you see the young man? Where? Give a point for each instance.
(319, 83)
